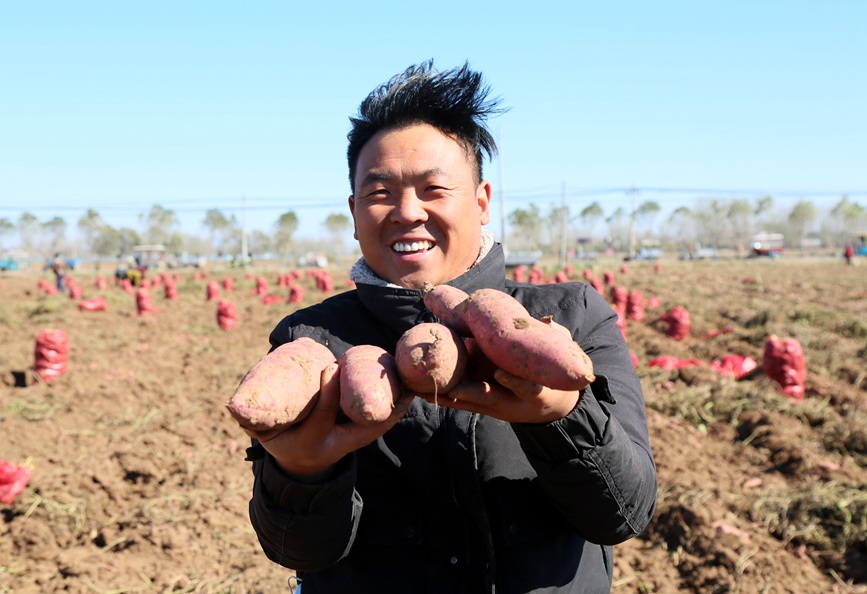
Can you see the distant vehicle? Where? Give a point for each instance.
(699, 252)
(71, 263)
(650, 249)
(859, 242)
(317, 260)
(516, 258)
(649, 253)
(149, 256)
(8, 264)
(766, 244)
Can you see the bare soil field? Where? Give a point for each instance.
(139, 485)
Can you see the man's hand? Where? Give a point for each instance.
(512, 399)
(309, 450)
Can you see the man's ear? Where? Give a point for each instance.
(351, 201)
(483, 198)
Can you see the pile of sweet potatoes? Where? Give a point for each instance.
(477, 334)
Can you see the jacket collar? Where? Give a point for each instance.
(399, 308)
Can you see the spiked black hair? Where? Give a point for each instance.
(454, 101)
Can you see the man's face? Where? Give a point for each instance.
(417, 208)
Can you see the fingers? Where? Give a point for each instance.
(326, 410)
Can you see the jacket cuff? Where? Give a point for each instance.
(298, 497)
(574, 435)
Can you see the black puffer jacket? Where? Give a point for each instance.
(453, 502)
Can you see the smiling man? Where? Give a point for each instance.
(503, 487)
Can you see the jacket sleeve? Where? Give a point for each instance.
(302, 526)
(596, 464)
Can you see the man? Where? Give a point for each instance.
(58, 266)
(505, 487)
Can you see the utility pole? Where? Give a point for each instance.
(634, 193)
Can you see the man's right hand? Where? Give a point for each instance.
(309, 450)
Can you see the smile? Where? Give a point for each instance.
(413, 246)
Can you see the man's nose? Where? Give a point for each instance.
(410, 208)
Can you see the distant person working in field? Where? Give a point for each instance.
(502, 487)
(59, 267)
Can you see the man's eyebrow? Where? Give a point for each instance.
(373, 176)
(379, 175)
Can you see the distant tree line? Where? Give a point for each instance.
(719, 223)
(160, 225)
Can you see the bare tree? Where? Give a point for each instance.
(55, 231)
(337, 224)
(801, 217)
(160, 227)
(28, 230)
(7, 227)
(527, 226)
(284, 228)
(220, 228)
(647, 212)
(89, 225)
(590, 215)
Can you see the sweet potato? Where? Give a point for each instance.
(446, 303)
(524, 346)
(431, 358)
(369, 384)
(281, 388)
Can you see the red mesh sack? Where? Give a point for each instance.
(737, 366)
(296, 294)
(269, 299)
(143, 301)
(635, 306)
(669, 363)
(608, 277)
(537, 275)
(657, 268)
(226, 314)
(228, 284)
(213, 291)
(678, 322)
(13, 479)
(95, 304)
(588, 274)
(561, 277)
(52, 348)
(325, 283)
(624, 269)
(75, 291)
(653, 303)
(597, 284)
(783, 361)
(618, 298)
(261, 286)
(100, 283)
(171, 290)
(519, 275)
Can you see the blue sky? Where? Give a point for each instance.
(194, 105)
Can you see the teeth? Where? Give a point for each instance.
(414, 246)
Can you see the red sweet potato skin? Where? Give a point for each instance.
(446, 303)
(524, 346)
(431, 358)
(280, 389)
(369, 384)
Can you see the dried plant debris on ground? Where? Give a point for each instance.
(138, 481)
